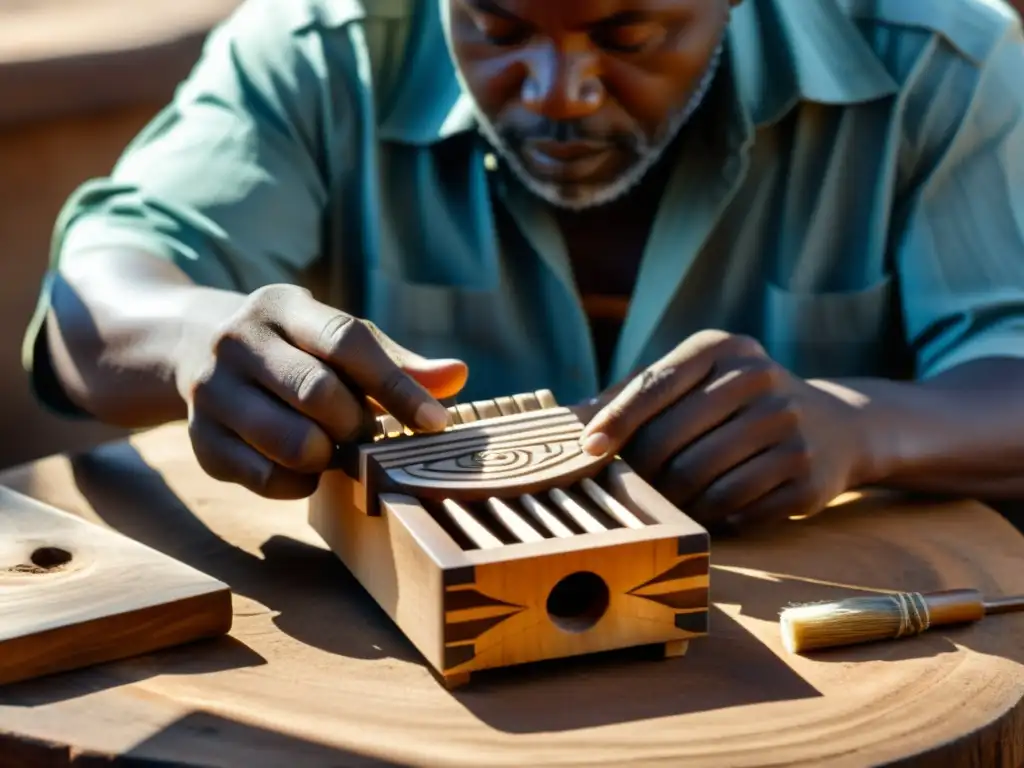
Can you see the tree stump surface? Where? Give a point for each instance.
(313, 673)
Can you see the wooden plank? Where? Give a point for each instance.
(74, 594)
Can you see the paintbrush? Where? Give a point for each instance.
(887, 616)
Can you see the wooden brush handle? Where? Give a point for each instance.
(954, 606)
(876, 617)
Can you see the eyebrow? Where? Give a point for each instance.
(618, 19)
(622, 18)
(489, 6)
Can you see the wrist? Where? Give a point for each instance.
(872, 455)
(869, 430)
(201, 313)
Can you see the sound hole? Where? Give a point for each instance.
(578, 602)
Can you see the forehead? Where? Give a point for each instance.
(578, 13)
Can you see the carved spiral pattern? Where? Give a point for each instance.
(495, 463)
(509, 459)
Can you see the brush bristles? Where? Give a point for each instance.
(848, 622)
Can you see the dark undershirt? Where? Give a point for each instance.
(605, 246)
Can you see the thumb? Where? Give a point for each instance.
(441, 377)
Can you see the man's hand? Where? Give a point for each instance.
(730, 436)
(285, 379)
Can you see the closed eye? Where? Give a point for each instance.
(628, 32)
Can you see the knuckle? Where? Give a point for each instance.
(710, 338)
(764, 375)
(748, 346)
(313, 387)
(344, 333)
(396, 386)
(203, 385)
(654, 384)
(787, 412)
(801, 456)
(270, 297)
(200, 388)
(232, 342)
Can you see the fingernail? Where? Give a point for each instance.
(596, 444)
(432, 417)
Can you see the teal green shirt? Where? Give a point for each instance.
(861, 215)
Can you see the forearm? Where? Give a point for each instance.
(116, 328)
(961, 433)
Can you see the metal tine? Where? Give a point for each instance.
(519, 528)
(469, 525)
(545, 517)
(610, 504)
(576, 511)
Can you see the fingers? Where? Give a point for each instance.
(443, 378)
(357, 352)
(688, 476)
(639, 401)
(794, 498)
(662, 384)
(744, 484)
(705, 409)
(269, 426)
(311, 388)
(226, 457)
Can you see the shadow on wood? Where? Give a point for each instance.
(620, 687)
(757, 596)
(113, 478)
(924, 539)
(198, 739)
(213, 740)
(196, 658)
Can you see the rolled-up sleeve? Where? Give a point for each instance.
(960, 251)
(226, 181)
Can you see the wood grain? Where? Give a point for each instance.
(479, 458)
(316, 674)
(499, 532)
(60, 58)
(73, 594)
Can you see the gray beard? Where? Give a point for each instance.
(649, 152)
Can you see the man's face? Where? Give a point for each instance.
(581, 97)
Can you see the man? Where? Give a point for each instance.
(781, 242)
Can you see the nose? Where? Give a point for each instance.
(563, 85)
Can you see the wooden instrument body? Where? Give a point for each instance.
(499, 542)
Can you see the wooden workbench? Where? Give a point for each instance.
(314, 673)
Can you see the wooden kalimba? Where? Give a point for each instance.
(500, 541)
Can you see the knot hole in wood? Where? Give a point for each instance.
(42, 560)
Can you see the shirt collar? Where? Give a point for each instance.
(782, 52)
